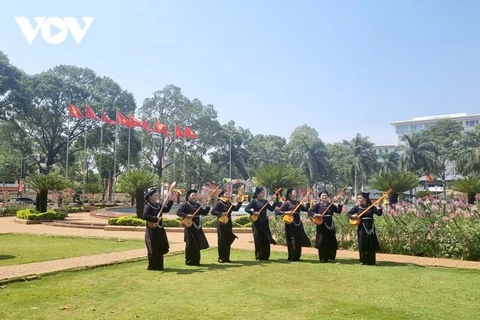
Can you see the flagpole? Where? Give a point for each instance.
(184, 162)
(101, 155)
(128, 156)
(114, 162)
(174, 164)
(68, 142)
(84, 159)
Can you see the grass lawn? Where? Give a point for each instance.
(26, 248)
(247, 289)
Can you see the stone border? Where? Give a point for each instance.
(170, 229)
(23, 221)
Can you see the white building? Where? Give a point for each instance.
(421, 123)
(383, 148)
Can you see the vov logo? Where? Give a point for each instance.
(44, 25)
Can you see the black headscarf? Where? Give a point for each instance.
(222, 193)
(150, 193)
(322, 192)
(257, 191)
(289, 192)
(189, 192)
(366, 196)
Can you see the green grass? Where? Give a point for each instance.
(26, 248)
(247, 289)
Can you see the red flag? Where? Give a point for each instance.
(106, 119)
(146, 126)
(74, 111)
(178, 132)
(90, 114)
(122, 120)
(190, 134)
(134, 122)
(161, 128)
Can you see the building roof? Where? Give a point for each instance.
(435, 118)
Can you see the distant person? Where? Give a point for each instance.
(155, 236)
(367, 235)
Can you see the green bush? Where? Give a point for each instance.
(134, 221)
(67, 209)
(209, 221)
(242, 221)
(172, 223)
(31, 214)
(11, 209)
(126, 221)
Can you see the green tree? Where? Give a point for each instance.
(468, 160)
(389, 162)
(417, 153)
(363, 161)
(42, 184)
(137, 182)
(265, 149)
(280, 175)
(398, 181)
(308, 151)
(339, 161)
(232, 144)
(170, 107)
(43, 118)
(469, 185)
(446, 134)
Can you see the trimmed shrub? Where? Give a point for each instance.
(126, 221)
(31, 214)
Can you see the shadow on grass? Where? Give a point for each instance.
(378, 264)
(6, 257)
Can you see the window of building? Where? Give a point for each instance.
(470, 123)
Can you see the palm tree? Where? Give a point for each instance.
(469, 185)
(390, 161)
(468, 159)
(280, 175)
(42, 183)
(138, 181)
(398, 181)
(364, 160)
(417, 155)
(312, 159)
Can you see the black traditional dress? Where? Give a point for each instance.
(194, 237)
(262, 236)
(295, 233)
(367, 237)
(325, 239)
(224, 231)
(155, 236)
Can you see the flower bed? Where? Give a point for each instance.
(422, 228)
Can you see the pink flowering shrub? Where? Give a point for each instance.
(421, 228)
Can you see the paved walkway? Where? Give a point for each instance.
(244, 241)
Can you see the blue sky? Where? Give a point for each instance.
(342, 66)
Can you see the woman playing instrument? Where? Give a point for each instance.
(325, 240)
(295, 233)
(155, 236)
(224, 231)
(194, 237)
(262, 235)
(367, 237)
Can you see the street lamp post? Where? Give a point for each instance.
(230, 166)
